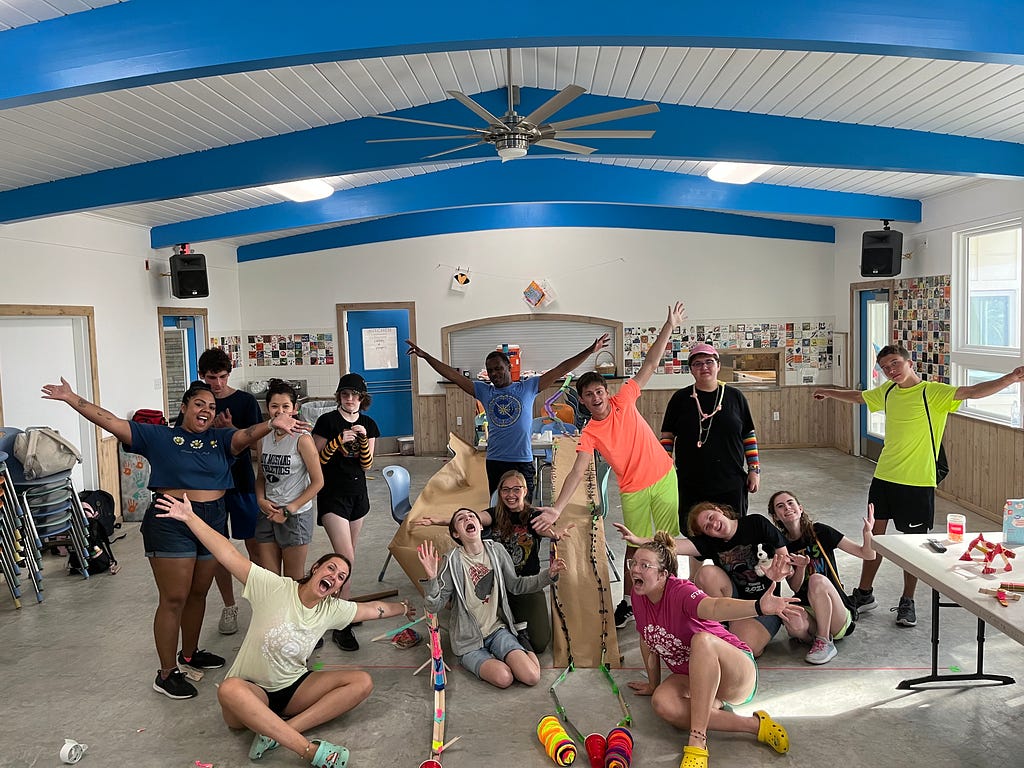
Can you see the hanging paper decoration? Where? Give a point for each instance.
(460, 281)
(539, 293)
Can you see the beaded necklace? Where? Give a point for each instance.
(706, 419)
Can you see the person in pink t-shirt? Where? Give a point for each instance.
(645, 473)
(681, 625)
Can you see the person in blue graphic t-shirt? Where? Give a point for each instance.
(509, 407)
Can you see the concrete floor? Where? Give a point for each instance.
(81, 665)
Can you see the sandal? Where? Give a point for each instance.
(771, 733)
(260, 745)
(330, 756)
(694, 757)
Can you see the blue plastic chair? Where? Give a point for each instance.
(603, 473)
(397, 479)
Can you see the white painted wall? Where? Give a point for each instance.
(89, 260)
(628, 275)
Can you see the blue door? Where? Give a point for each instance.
(376, 351)
(874, 334)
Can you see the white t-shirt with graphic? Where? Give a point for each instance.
(283, 631)
(481, 591)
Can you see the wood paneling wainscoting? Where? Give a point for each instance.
(431, 424)
(986, 463)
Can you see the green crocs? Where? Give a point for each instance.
(330, 756)
(260, 745)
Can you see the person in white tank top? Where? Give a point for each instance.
(287, 482)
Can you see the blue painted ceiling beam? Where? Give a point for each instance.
(548, 180)
(153, 41)
(483, 218)
(685, 133)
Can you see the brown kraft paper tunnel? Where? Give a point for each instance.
(462, 482)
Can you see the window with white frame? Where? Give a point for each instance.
(988, 294)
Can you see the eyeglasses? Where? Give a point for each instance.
(513, 489)
(641, 564)
(708, 363)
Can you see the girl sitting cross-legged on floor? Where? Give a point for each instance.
(710, 667)
(815, 580)
(269, 680)
(478, 576)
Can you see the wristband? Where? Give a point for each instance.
(757, 608)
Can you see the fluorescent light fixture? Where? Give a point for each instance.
(303, 191)
(736, 173)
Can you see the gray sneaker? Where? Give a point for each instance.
(906, 616)
(822, 651)
(228, 623)
(863, 600)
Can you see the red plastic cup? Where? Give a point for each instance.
(596, 746)
(431, 763)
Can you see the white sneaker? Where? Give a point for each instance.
(822, 651)
(228, 624)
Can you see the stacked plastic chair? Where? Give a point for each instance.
(51, 509)
(17, 544)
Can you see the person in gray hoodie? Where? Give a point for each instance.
(478, 577)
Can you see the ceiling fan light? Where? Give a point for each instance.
(737, 173)
(511, 146)
(303, 191)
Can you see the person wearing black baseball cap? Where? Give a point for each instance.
(344, 439)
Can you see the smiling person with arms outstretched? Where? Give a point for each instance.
(269, 681)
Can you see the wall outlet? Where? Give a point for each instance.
(458, 421)
(775, 415)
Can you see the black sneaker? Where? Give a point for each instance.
(202, 660)
(906, 616)
(623, 614)
(175, 686)
(344, 639)
(319, 644)
(863, 600)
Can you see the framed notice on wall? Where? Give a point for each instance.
(380, 348)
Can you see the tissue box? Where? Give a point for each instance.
(1013, 521)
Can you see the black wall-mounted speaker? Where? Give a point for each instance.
(188, 276)
(881, 253)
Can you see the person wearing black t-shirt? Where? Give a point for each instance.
(709, 428)
(344, 439)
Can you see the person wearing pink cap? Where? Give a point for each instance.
(709, 428)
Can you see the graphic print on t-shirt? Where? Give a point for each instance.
(505, 410)
(285, 640)
(483, 580)
(275, 466)
(737, 563)
(673, 651)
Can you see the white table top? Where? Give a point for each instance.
(959, 581)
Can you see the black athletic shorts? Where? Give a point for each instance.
(910, 507)
(278, 700)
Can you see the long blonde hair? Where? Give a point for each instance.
(503, 516)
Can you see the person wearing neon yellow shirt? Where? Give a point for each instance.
(903, 488)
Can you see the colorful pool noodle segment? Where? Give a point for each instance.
(556, 741)
(619, 748)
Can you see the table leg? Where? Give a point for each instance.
(935, 677)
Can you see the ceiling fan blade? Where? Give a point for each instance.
(428, 122)
(600, 117)
(602, 134)
(508, 81)
(456, 149)
(565, 146)
(555, 103)
(468, 103)
(423, 138)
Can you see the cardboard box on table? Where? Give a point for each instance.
(462, 482)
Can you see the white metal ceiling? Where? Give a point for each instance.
(21, 13)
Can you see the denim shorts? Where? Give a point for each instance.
(296, 531)
(771, 623)
(497, 645)
(164, 537)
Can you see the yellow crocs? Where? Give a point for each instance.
(694, 757)
(771, 733)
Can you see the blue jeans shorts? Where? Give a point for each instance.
(164, 537)
(497, 645)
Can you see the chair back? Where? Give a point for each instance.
(557, 427)
(603, 472)
(14, 467)
(397, 479)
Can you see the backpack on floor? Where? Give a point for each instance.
(99, 511)
(43, 452)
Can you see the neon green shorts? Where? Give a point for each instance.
(654, 508)
(846, 624)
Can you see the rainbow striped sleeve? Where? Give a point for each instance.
(750, 450)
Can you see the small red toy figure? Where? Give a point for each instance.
(990, 551)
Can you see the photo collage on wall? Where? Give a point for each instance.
(291, 349)
(230, 344)
(921, 323)
(808, 343)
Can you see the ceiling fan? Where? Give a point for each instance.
(512, 135)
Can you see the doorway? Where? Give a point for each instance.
(182, 339)
(373, 336)
(874, 331)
